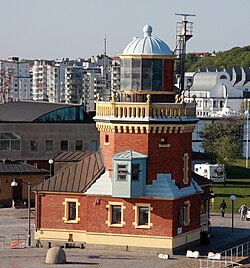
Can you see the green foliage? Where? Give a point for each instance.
(235, 57)
(223, 140)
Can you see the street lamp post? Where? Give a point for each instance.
(50, 167)
(232, 198)
(15, 184)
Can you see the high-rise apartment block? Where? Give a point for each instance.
(15, 80)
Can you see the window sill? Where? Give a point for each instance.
(119, 225)
(148, 226)
(164, 145)
(71, 221)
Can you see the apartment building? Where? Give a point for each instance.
(15, 80)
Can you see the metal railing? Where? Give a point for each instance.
(229, 257)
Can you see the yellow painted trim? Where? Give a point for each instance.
(185, 168)
(186, 211)
(164, 145)
(66, 210)
(143, 128)
(118, 239)
(136, 222)
(109, 221)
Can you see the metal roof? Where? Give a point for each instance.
(129, 154)
(28, 111)
(18, 167)
(147, 45)
(71, 156)
(77, 177)
(200, 180)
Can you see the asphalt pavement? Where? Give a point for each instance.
(14, 221)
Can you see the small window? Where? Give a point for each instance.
(93, 145)
(121, 172)
(34, 145)
(64, 145)
(115, 214)
(79, 145)
(49, 145)
(163, 140)
(186, 213)
(142, 215)
(71, 210)
(106, 139)
(135, 172)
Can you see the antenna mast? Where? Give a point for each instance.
(105, 46)
(184, 31)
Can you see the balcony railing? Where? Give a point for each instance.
(144, 110)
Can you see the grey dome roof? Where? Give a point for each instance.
(147, 45)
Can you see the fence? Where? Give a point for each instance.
(228, 258)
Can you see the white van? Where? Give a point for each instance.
(216, 172)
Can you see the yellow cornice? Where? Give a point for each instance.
(144, 128)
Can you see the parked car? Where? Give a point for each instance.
(248, 214)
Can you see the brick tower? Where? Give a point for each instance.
(146, 142)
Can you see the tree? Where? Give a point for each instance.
(223, 140)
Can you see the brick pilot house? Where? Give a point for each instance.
(137, 192)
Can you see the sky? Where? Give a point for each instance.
(55, 29)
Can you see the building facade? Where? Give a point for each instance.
(49, 130)
(15, 80)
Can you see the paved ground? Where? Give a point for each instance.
(15, 221)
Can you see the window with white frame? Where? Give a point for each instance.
(71, 210)
(115, 214)
(142, 215)
(122, 171)
(185, 168)
(186, 213)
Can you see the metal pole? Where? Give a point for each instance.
(247, 142)
(232, 216)
(29, 231)
(50, 169)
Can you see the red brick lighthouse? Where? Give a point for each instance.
(137, 192)
(146, 141)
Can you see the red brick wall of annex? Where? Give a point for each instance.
(93, 217)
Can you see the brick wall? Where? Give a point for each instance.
(6, 188)
(93, 217)
(160, 160)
